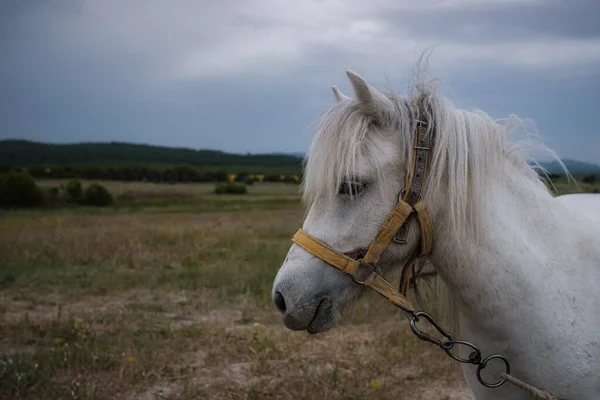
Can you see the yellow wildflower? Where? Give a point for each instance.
(376, 384)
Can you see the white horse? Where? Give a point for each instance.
(522, 266)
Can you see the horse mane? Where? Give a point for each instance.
(470, 150)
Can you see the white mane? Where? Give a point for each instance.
(470, 150)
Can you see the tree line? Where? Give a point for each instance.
(147, 173)
(136, 162)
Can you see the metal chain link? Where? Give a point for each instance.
(449, 344)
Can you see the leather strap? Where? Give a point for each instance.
(426, 227)
(387, 231)
(405, 278)
(421, 143)
(350, 266)
(416, 177)
(384, 288)
(325, 252)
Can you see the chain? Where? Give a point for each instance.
(450, 343)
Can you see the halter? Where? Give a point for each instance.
(395, 228)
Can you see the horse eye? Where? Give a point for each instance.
(351, 188)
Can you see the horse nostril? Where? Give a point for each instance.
(279, 302)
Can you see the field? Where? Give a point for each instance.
(167, 296)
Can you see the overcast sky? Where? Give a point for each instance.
(252, 75)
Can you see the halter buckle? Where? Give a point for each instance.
(401, 235)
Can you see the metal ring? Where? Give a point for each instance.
(474, 357)
(484, 364)
(361, 265)
(401, 194)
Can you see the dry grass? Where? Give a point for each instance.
(174, 302)
(156, 305)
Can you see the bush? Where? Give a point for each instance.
(589, 179)
(17, 189)
(97, 195)
(231, 188)
(74, 191)
(53, 198)
(272, 178)
(54, 191)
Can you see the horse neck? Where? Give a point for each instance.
(486, 273)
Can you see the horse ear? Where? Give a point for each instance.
(373, 101)
(339, 96)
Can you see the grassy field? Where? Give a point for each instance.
(167, 296)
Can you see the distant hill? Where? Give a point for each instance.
(23, 153)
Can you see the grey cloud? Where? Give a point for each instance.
(155, 42)
(252, 75)
(483, 24)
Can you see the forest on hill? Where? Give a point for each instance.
(133, 162)
(22, 153)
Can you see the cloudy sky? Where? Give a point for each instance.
(252, 75)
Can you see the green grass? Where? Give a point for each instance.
(563, 186)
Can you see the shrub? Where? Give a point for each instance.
(231, 188)
(589, 179)
(272, 178)
(17, 189)
(52, 197)
(54, 191)
(97, 195)
(74, 191)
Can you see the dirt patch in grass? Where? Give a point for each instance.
(164, 344)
